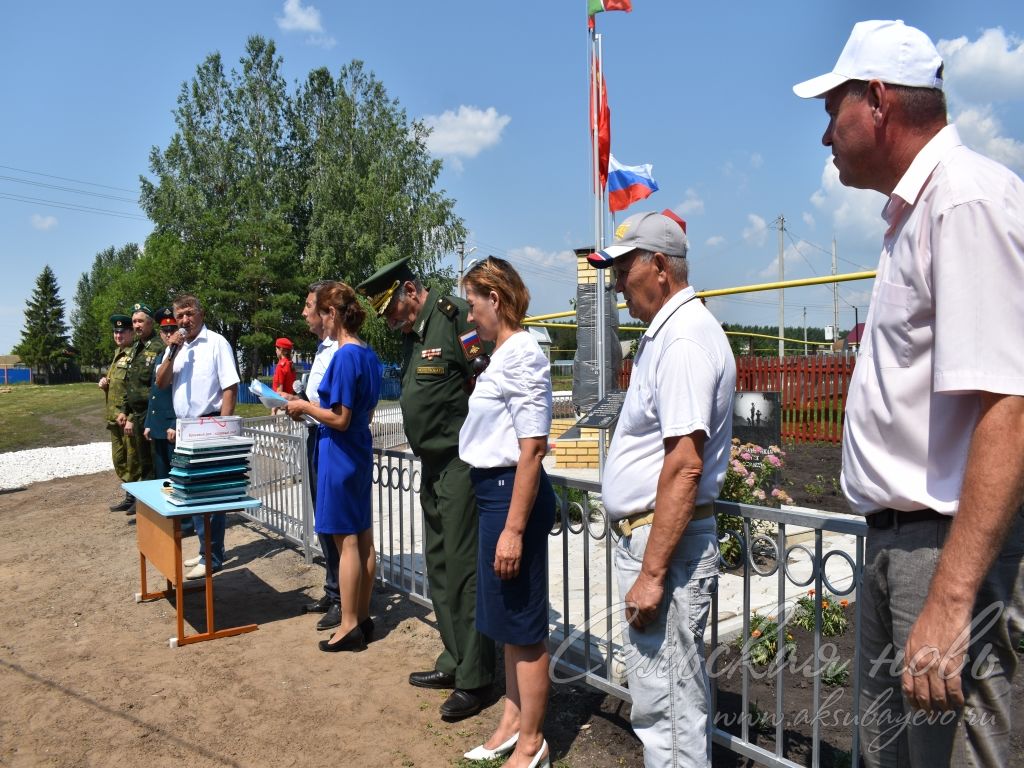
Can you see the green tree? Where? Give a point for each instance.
(260, 192)
(111, 285)
(44, 339)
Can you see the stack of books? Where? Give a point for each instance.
(211, 471)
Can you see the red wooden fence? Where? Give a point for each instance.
(813, 391)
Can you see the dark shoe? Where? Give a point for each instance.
(131, 509)
(319, 606)
(331, 619)
(353, 641)
(461, 704)
(366, 625)
(432, 679)
(124, 504)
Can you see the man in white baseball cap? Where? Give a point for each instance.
(931, 441)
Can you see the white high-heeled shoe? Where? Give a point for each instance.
(543, 757)
(483, 753)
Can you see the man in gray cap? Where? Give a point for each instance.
(931, 442)
(664, 470)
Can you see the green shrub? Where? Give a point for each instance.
(833, 614)
(762, 644)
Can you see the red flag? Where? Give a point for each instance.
(604, 122)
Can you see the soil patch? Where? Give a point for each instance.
(810, 474)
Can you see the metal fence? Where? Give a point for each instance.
(586, 618)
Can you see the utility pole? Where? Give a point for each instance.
(835, 294)
(856, 322)
(462, 267)
(463, 253)
(805, 330)
(782, 293)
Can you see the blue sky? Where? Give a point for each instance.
(702, 91)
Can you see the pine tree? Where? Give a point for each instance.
(44, 339)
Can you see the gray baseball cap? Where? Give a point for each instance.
(654, 232)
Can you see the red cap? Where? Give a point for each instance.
(283, 343)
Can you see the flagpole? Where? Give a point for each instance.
(597, 70)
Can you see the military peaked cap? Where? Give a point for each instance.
(121, 322)
(381, 286)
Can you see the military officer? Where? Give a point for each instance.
(147, 349)
(115, 384)
(439, 350)
(160, 420)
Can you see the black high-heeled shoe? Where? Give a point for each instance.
(352, 641)
(366, 626)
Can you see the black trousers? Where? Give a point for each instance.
(327, 545)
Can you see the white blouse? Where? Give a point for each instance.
(511, 400)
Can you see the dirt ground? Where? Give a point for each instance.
(88, 678)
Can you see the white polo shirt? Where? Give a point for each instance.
(945, 322)
(511, 399)
(324, 352)
(203, 369)
(683, 381)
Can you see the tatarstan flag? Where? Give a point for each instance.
(597, 6)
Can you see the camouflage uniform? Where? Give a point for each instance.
(135, 402)
(122, 449)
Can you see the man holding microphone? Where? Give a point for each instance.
(199, 366)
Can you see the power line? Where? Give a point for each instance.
(72, 207)
(68, 189)
(65, 178)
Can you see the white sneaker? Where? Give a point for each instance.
(193, 561)
(199, 572)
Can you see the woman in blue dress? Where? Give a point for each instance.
(348, 394)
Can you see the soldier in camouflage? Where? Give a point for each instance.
(115, 384)
(147, 349)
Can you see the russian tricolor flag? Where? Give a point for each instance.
(628, 183)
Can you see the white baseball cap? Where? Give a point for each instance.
(889, 51)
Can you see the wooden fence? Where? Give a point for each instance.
(813, 391)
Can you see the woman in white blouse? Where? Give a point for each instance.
(504, 439)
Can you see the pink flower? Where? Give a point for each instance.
(759, 494)
(746, 456)
(776, 493)
(774, 461)
(751, 480)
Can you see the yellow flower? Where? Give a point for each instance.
(844, 603)
(824, 604)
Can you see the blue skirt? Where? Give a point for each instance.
(515, 611)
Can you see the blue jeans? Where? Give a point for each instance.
(218, 522)
(665, 664)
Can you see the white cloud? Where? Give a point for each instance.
(691, 205)
(530, 255)
(980, 130)
(808, 219)
(855, 213)
(756, 231)
(43, 223)
(990, 68)
(300, 18)
(465, 133)
(714, 241)
(756, 161)
(305, 18)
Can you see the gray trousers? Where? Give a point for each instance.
(898, 571)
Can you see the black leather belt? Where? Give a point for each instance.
(894, 518)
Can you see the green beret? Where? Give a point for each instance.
(121, 322)
(382, 284)
(140, 307)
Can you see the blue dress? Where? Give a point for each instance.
(345, 465)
